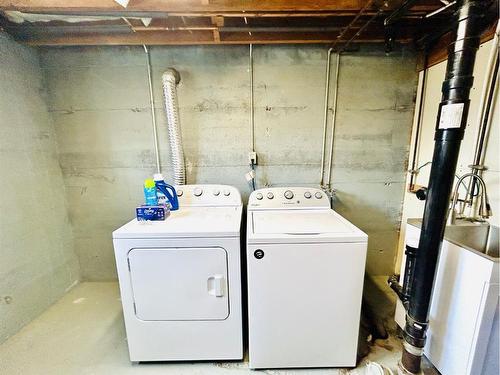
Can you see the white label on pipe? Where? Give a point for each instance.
(451, 116)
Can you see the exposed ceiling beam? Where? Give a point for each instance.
(188, 38)
(38, 29)
(206, 21)
(190, 6)
(267, 14)
(218, 22)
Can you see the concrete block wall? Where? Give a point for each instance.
(98, 97)
(38, 263)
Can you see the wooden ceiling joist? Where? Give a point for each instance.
(188, 6)
(186, 38)
(205, 21)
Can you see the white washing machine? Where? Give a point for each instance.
(180, 279)
(305, 266)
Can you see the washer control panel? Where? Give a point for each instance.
(288, 198)
(208, 195)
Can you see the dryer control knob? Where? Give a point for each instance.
(216, 192)
(197, 192)
(318, 195)
(226, 193)
(307, 195)
(179, 193)
(270, 195)
(259, 196)
(288, 194)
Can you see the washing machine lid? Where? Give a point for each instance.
(295, 226)
(187, 222)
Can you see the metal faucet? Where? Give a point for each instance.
(484, 206)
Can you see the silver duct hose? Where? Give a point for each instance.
(170, 79)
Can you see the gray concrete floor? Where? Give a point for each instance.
(84, 333)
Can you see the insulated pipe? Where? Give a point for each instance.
(170, 80)
(450, 128)
(325, 115)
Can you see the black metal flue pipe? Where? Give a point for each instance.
(450, 127)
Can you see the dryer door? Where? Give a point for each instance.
(179, 283)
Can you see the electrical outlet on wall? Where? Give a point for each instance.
(252, 158)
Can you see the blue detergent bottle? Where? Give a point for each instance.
(150, 197)
(162, 199)
(168, 191)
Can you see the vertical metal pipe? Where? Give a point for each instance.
(477, 166)
(152, 106)
(325, 115)
(488, 114)
(486, 97)
(334, 117)
(489, 82)
(416, 146)
(450, 128)
(252, 123)
(339, 37)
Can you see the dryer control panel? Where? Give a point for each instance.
(288, 198)
(208, 195)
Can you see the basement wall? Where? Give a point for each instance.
(98, 97)
(38, 263)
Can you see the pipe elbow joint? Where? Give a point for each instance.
(171, 76)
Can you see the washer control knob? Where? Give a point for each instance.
(288, 194)
(226, 193)
(259, 196)
(216, 192)
(307, 195)
(318, 195)
(270, 195)
(197, 192)
(179, 193)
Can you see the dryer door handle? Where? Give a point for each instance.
(215, 285)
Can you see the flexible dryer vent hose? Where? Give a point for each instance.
(171, 78)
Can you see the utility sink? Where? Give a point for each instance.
(481, 238)
(463, 334)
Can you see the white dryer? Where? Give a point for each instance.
(180, 279)
(305, 267)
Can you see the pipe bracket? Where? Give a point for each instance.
(415, 332)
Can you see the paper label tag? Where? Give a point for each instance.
(451, 116)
